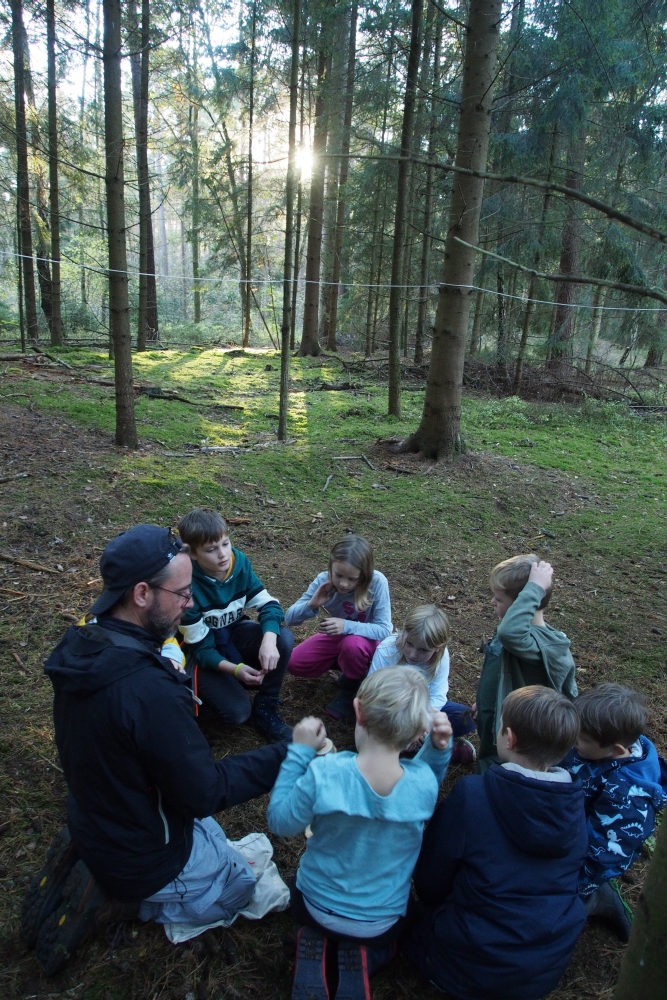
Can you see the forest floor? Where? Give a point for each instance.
(584, 487)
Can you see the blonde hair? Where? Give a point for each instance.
(511, 576)
(428, 623)
(395, 706)
(356, 551)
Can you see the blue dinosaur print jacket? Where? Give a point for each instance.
(622, 799)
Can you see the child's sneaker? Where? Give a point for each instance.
(65, 930)
(352, 972)
(45, 892)
(267, 719)
(310, 978)
(463, 752)
(607, 903)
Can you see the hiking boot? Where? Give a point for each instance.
(343, 704)
(267, 720)
(463, 752)
(66, 929)
(45, 892)
(352, 972)
(606, 902)
(310, 977)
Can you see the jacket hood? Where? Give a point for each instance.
(645, 771)
(542, 818)
(91, 657)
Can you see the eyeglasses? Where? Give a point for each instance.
(184, 596)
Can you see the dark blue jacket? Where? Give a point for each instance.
(137, 767)
(498, 876)
(622, 798)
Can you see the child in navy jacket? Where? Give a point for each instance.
(498, 870)
(625, 784)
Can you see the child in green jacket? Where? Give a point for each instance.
(233, 653)
(524, 650)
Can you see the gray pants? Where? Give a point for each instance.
(214, 885)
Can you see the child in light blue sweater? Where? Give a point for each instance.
(367, 813)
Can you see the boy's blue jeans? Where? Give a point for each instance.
(460, 718)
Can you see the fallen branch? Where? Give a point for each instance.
(17, 475)
(12, 357)
(11, 395)
(238, 520)
(52, 357)
(18, 660)
(27, 563)
(326, 485)
(368, 462)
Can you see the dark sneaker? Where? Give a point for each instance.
(463, 752)
(343, 704)
(45, 892)
(310, 979)
(65, 930)
(606, 903)
(267, 720)
(352, 972)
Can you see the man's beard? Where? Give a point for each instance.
(159, 623)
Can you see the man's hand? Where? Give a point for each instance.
(441, 731)
(311, 732)
(541, 573)
(268, 655)
(322, 595)
(332, 626)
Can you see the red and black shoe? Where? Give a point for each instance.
(310, 974)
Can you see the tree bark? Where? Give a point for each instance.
(439, 432)
(570, 257)
(309, 342)
(598, 301)
(56, 317)
(147, 328)
(654, 357)
(194, 235)
(251, 119)
(422, 309)
(22, 177)
(644, 966)
(119, 306)
(342, 180)
(395, 295)
(289, 227)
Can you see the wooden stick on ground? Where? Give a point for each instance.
(17, 475)
(27, 563)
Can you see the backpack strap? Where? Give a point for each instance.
(108, 638)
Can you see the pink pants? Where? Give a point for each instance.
(319, 653)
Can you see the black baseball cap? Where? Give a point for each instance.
(135, 555)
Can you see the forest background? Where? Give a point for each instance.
(301, 179)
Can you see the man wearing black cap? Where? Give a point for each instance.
(142, 783)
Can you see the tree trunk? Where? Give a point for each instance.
(395, 295)
(19, 277)
(42, 237)
(56, 318)
(654, 357)
(251, 119)
(119, 306)
(309, 342)
(194, 235)
(147, 328)
(22, 178)
(289, 226)
(562, 344)
(598, 301)
(644, 966)
(422, 309)
(299, 202)
(373, 291)
(342, 180)
(475, 336)
(523, 343)
(438, 435)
